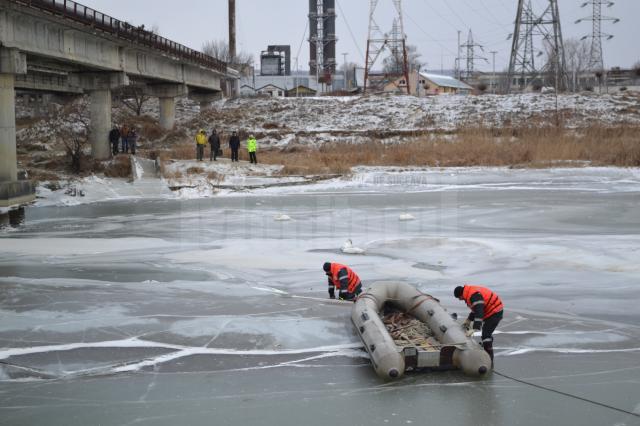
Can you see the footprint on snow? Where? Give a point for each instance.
(282, 218)
(348, 248)
(406, 216)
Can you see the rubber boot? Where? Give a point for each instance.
(488, 347)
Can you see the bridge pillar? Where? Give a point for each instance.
(167, 113)
(99, 86)
(8, 157)
(205, 99)
(100, 112)
(167, 93)
(13, 192)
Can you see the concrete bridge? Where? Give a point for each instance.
(63, 46)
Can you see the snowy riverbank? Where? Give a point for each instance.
(261, 180)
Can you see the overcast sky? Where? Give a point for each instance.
(431, 25)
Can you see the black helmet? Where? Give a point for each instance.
(458, 292)
(326, 266)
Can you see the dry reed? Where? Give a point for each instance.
(516, 147)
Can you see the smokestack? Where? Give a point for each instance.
(232, 31)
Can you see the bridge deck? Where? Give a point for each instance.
(82, 14)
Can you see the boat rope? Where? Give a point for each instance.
(590, 401)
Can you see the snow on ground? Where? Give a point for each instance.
(241, 179)
(282, 121)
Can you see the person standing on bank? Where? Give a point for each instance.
(124, 135)
(486, 312)
(133, 140)
(201, 141)
(234, 144)
(214, 142)
(252, 147)
(114, 139)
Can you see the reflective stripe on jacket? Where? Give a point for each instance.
(252, 145)
(485, 306)
(343, 278)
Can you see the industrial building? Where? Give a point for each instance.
(322, 40)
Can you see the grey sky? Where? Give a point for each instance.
(431, 25)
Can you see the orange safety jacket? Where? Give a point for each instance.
(490, 300)
(338, 278)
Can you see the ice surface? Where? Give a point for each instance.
(157, 310)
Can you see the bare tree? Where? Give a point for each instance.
(134, 98)
(219, 49)
(577, 53)
(75, 131)
(393, 64)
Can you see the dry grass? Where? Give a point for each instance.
(215, 176)
(119, 167)
(195, 171)
(185, 151)
(516, 147)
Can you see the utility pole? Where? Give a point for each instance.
(345, 70)
(232, 41)
(458, 57)
(547, 26)
(493, 76)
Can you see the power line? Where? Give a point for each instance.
(590, 401)
(429, 36)
(455, 13)
(304, 36)
(346, 21)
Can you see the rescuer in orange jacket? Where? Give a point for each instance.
(344, 279)
(486, 312)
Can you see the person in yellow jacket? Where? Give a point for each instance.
(252, 147)
(201, 142)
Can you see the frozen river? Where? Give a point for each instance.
(171, 312)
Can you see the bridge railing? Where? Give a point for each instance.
(77, 12)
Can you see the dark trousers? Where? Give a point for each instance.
(346, 295)
(114, 148)
(234, 154)
(252, 158)
(199, 152)
(214, 153)
(488, 328)
(125, 145)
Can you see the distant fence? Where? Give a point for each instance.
(90, 17)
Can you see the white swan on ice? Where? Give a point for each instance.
(348, 247)
(282, 218)
(406, 216)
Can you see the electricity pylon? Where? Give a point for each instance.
(547, 26)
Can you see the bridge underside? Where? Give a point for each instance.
(44, 52)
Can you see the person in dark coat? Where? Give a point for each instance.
(234, 144)
(133, 139)
(114, 139)
(214, 141)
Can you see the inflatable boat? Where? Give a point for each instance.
(404, 330)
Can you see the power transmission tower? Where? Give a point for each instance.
(471, 56)
(596, 61)
(547, 26)
(395, 43)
